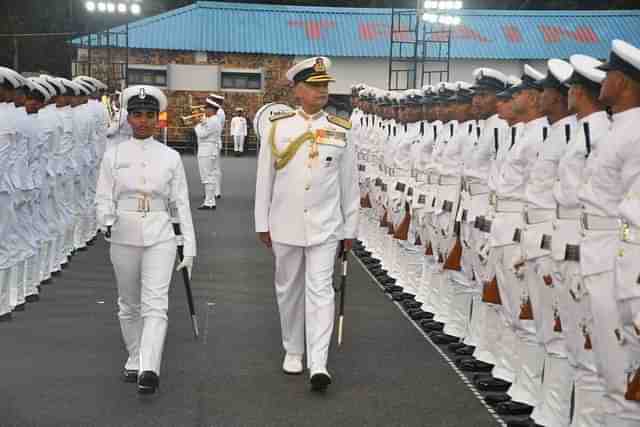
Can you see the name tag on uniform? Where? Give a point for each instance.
(332, 137)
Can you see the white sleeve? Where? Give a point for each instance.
(207, 128)
(180, 197)
(349, 190)
(105, 205)
(264, 187)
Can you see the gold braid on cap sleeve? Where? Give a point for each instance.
(283, 157)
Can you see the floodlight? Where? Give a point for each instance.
(122, 8)
(102, 7)
(135, 9)
(111, 7)
(90, 6)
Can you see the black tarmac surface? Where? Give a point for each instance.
(61, 358)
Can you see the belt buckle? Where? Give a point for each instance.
(625, 232)
(144, 204)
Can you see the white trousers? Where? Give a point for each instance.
(238, 143)
(143, 276)
(305, 294)
(217, 170)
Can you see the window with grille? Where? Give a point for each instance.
(142, 76)
(241, 80)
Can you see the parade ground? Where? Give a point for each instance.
(62, 357)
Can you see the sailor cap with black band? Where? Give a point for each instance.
(215, 96)
(37, 88)
(586, 72)
(530, 79)
(624, 57)
(311, 70)
(72, 88)
(464, 94)
(413, 97)
(210, 102)
(446, 91)
(86, 88)
(143, 97)
(55, 83)
(512, 81)
(11, 78)
(559, 73)
(48, 86)
(489, 80)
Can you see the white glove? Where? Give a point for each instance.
(187, 263)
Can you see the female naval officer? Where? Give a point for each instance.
(141, 189)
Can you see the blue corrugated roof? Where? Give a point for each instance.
(298, 30)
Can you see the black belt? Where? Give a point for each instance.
(447, 206)
(546, 242)
(478, 222)
(465, 213)
(572, 253)
(486, 226)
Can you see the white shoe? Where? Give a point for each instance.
(292, 364)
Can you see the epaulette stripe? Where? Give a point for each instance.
(281, 116)
(339, 121)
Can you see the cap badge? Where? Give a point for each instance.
(319, 67)
(142, 94)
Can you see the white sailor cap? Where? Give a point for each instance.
(530, 79)
(488, 79)
(55, 83)
(72, 88)
(143, 97)
(559, 73)
(512, 82)
(311, 70)
(50, 88)
(10, 77)
(624, 57)
(240, 109)
(93, 82)
(36, 86)
(211, 102)
(216, 96)
(586, 72)
(86, 88)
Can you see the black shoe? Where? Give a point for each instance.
(46, 281)
(411, 304)
(455, 346)
(514, 408)
(32, 298)
(203, 207)
(56, 273)
(473, 365)
(148, 382)
(64, 266)
(431, 325)
(130, 376)
(320, 381)
(496, 399)
(493, 384)
(402, 296)
(465, 351)
(443, 339)
(219, 196)
(6, 317)
(19, 307)
(82, 249)
(525, 422)
(419, 314)
(393, 288)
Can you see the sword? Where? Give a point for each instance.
(343, 286)
(185, 277)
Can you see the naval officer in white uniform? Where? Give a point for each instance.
(307, 201)
(142, 185)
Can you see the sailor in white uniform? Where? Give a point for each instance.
(222, 117)
(142, 187)
(238, 130)
(209, 132)
(307, 201)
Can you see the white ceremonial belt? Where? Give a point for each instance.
(448, 180)
(433, 178)
(566, 213)
(506, 205)
(538, 215)
(630, 233)
(142, 204)
(599, 223)
(477, 188)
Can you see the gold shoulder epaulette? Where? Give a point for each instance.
(339, 121)
(281, 116)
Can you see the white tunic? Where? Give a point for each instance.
(143, 167)
(302, 205)
(209, 133)
(238, 126)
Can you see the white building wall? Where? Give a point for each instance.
(374, 71)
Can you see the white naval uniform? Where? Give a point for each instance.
(574, 305)
(217, 166)
(614, 169)
(143, 245)
(238, 130)
(119, 130)
(209, 132)
(307, 208)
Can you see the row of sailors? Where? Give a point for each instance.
(52, 138)
(504, 215)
